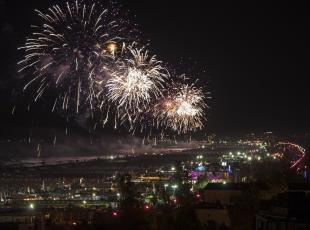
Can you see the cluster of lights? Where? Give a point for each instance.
(245, 156)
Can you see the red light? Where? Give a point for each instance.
(147, 207)
(198, 195)
(115, 214)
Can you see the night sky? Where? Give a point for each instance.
(252, 58)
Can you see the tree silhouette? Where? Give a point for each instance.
(128, 193)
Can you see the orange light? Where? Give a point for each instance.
(112, 47)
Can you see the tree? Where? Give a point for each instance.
(128, 193)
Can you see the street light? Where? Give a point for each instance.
(174, 188)
(259, 158)
(166, 185)
(115, 214)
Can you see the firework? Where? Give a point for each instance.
(71, 53)
(79, 54)
(138, 80)
(182, 109)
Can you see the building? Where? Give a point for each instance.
(289, 211)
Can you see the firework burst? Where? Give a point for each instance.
(70, 52)
(182, 109)
(138, 80)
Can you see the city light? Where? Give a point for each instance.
(174, 186)
(31, 206)
(115, 214)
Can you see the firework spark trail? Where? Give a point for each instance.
(71, 51)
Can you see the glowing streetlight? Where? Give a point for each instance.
(175, 186)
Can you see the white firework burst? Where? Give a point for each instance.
(70, 52)
(139, 79)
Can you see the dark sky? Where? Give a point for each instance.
(255, 56)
